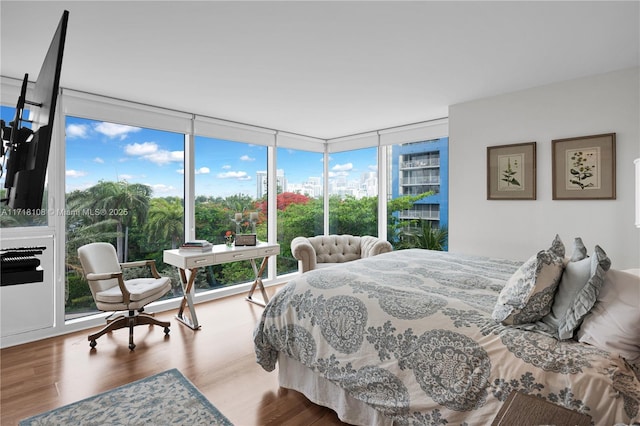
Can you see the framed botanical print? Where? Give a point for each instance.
(511, 172)
(584, 168)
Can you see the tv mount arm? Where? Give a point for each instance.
(16, 135)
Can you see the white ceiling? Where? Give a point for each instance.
(322, 69)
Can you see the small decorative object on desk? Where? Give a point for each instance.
(246, 240)
(228, 238)
(196, 246)
(245, 226)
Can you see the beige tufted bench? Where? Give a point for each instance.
(327, 250)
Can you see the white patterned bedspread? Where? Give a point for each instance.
(410, 333)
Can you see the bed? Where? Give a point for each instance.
(409, 338)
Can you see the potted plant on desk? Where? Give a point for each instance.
(228, 239)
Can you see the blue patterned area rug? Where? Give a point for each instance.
(166, 398)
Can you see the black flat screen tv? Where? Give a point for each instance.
(26, 150)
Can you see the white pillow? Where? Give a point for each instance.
(577, 293)
(614, 322)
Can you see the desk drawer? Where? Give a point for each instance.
(187, 260)
(246, 254)
(268, 251)
(234, 256)
(197, 261)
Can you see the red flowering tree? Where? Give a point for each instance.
(284, 200)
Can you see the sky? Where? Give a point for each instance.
(98, 150)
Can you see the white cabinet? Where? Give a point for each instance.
(29, 307)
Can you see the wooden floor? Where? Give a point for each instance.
(219, 359)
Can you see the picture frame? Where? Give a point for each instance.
(246, 240)
(511, 172)
(584, 168)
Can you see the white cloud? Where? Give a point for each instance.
(234, 175)
(180, 171)
(141, 149)
(226, 167)
(77, 131)
(203, 171)
(113, 130)
(342, 167)
(247, 158)
(98, 160)
(165, 157)
(125, 177)
(150, 151)
(75, 173)
(162, 189)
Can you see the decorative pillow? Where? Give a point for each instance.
(528, 294)
(614, 322)
(579, 250)
(577, 292)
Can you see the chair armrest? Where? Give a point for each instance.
(109, 275)
(372, 246)
(141, 263)
(302, 250)
(103, 276)
(137, 263)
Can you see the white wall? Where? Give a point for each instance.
(518, 229)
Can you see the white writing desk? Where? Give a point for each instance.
(191, 261)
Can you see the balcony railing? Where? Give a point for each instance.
(420, 164)
(422, 180)
(419, 214)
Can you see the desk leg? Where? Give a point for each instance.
(187, 299)
(258, 283)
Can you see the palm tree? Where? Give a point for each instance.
(165, 221)
(427, 237)
(126, 204)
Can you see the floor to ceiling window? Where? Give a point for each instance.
(124, 185)
(299, 201)
(353, 192)
(417, 194)
(230, 196)
(127, 171)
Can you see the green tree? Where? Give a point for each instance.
(123, 203)
(213, 219)
(165, 222)
(395, 226)
(84, 227)
(239, 203)
(425, 237)
(353, 216)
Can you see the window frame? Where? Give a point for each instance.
(97, 107)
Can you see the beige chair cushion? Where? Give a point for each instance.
(140, 289)
(336, 248)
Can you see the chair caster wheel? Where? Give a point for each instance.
(166, 330)
(132, 346)
(93, 344)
